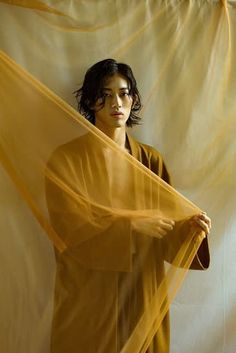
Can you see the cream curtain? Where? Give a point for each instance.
(182, 54)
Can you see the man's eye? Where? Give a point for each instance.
(124, 94)
(106, 95)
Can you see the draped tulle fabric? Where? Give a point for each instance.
(85, 194)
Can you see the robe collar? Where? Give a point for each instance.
(133, 146)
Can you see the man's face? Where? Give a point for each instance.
(117, 106)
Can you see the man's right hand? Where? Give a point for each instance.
(156, 226)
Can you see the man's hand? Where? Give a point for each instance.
(156, 226)
(201, 222)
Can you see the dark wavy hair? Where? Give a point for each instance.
(92, 89)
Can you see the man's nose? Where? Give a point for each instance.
(116, 102)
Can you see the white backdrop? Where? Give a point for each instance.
(182, 54)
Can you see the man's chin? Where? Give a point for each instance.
(118, 124)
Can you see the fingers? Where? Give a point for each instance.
(203, 225)
(205, 218)
(203, 221)
(164, 226)
(155, 226)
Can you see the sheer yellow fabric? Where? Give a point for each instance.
(113, 288)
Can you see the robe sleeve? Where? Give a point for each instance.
(173, 242)
(97, 238)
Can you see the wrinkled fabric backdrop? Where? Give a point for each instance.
(182, 54)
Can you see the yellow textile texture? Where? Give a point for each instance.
(182, 53)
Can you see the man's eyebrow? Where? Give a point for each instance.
(120, 89)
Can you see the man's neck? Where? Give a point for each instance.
(117, 134)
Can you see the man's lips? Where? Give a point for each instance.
(117, 113)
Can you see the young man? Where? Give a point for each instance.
(104, 279)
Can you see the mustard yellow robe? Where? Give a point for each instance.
(101, 281)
